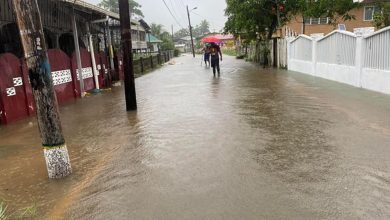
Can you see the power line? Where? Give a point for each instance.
(182, 3)
(170, 12)
(181, 11)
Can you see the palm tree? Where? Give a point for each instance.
(156, 29)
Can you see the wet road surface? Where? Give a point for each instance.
(251, 144)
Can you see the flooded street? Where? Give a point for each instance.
(251, 144)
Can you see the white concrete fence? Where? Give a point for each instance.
(361, 61)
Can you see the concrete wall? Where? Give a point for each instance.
(340, 73)
(376, 80)
(301, 66)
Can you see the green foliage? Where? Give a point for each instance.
(156, 29)
(3, 210)
(229, 51)
(258, 19)
(176, 52)
(113, 5)
(30, 212)
(166, 38)
(382, 19)
(181, 33)
(201, 29)
(198, 31)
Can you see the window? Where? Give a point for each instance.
(313, 21)
(369, 12)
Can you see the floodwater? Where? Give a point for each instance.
(251, 144)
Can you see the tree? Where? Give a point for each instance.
(202, 28)
(259, 19)
(184, 32)
(113, 5)
(167, 43)
(166, 38)
(382, 19)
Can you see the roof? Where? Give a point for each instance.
(187, 38)
(144, 24)
(95, 8)
(153, 39)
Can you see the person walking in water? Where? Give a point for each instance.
(206, 55)
(215, 52)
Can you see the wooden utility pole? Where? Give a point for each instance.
(172, 33)
(192, 40)
(34, 46)
(124, 13)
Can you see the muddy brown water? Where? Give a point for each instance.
(251, 144)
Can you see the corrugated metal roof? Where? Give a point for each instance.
(92, 7)
(153, 39)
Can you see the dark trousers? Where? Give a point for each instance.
(215, 63)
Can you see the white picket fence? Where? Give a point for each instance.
(361, 61)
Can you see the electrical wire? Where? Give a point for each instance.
(172, 14)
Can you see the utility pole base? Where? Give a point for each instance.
(57, 161)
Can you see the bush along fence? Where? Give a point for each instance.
(16, 100)
(267, 53)
(361, 61)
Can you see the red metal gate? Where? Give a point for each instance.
(105, 71)
(62, 75)
(13, 105)
(86, 64)
(118, 62)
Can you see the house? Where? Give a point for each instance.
(184, 44)
(227, 40)
(57, 24)
(138, 35)
(363, 22)
(153, 43)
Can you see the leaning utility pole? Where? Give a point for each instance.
(192, 40)
(172, 33)
(34, 46)
(124, 13)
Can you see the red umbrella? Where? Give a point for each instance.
(211, 40)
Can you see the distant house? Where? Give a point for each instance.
(363, 21)
(184, 44)
(227, 39)
(153, 42)
(138, 35)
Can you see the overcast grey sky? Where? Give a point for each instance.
(156, 12)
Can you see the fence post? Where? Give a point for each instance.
(359, 58)
(141, 60)
(151, 62)
(314, 56)
(288, 52)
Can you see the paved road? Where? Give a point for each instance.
(251, 144)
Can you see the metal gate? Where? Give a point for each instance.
(13, 100)
(87, 73)
(62, 75)
(104, 72)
